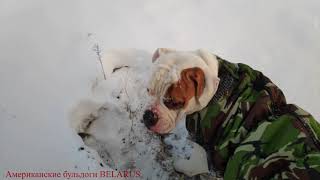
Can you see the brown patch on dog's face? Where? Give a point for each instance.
(190, 84)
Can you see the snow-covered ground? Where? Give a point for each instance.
(110, 119)
(47, 63)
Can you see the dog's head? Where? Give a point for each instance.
(182, 82)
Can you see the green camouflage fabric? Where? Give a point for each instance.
(250, 132)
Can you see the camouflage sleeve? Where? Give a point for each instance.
(279, 141)
(278, 149)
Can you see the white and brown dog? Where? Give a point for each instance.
(182, 83)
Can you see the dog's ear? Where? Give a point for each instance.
(210, 59)
(197, 77)
(161, 51)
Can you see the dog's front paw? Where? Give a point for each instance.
(83, 114)
(196, 164)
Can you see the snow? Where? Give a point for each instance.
(115, 111)
(47, 64)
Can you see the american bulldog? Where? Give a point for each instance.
(182, 83)
(236, 114)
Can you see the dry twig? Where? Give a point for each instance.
(97, 49)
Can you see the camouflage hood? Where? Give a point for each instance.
(247, 121)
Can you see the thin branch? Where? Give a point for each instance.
(97, 49)
(131, 113)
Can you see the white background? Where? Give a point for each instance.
(46, 61)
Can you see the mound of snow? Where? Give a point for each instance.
(110, 121)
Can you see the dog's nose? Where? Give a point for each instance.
(150, 118)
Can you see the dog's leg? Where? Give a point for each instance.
(189, 157)
(83, 114)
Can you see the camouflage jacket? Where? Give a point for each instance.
(250, 132)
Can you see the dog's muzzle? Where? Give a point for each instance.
(150, 118)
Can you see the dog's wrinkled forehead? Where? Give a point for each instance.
(179, 60)
(168, 67)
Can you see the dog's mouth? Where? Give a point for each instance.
(160, 128)
(159, 119)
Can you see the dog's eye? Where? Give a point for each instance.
(172, 104)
